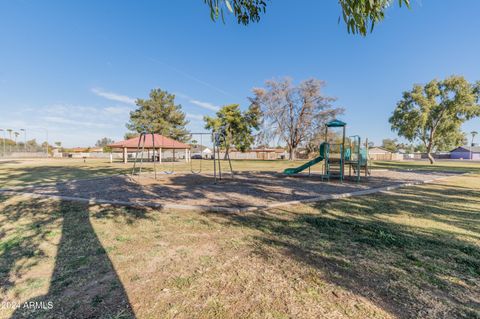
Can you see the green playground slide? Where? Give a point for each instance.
(296, 170)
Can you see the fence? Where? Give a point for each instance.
(386, 157)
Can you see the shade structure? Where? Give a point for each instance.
(336, 123)
(160, 142)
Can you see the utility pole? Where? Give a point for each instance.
(46, 130)
(471, 144)
(16, 136)
(4, 137)
(24, 139)
(9, 130)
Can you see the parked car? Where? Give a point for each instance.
(196, 156)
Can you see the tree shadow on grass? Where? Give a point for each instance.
(460, 168)
(411, 271)
(84, 283)
(49, 174)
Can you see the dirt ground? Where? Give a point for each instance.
(246, 189)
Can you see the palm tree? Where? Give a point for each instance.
(10, 134)
(16, 136)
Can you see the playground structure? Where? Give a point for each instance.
(219, 138)
(338, 154)
(341, 157)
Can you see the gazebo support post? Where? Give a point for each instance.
(125, 155)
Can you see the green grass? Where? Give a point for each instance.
(40, 171)
(413, 253)
(440, 165)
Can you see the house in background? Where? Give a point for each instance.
(200, 150)
(377, 153)
(466, 152)
(257, 154)
(81, 152)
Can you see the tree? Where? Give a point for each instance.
(360, 16)
(16, 137)
(433, 114)
(159, 114)
(103, 143)
(9, 130)
(390, 144)
(239, 125)
(296, 114)
(420, 148)
(130, 135)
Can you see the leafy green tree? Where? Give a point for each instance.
(130, 135)
(103, 143)
(433, 114)
(390, 144)
(239, 125)
(360, 16)
(420, 148)
(159, 114)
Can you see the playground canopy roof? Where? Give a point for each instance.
(160, 142)
(336, 123)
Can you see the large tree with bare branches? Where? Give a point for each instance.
(295, 114)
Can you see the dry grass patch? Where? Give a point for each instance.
(409, 254)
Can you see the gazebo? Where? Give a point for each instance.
(161, 143)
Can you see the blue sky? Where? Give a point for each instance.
(75, 67)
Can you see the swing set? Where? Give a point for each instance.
(219, 137)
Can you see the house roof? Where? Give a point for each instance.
(84, 149)
(474, 149)
(160, 142)
(378, 148)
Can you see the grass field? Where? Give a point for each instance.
(413, 253)
(31, 172)
(38, 171)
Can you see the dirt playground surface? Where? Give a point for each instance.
(246, 189)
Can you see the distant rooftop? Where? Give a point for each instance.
(160, 141)
(475, 149)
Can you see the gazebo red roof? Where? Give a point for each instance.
(160, 142)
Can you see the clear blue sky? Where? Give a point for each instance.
(76, 66)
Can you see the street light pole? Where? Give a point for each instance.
(24, 138)
(16, 136)
(46, 130)
(4, 137)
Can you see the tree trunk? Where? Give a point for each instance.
(291, 154)
(430, 158)
(429, 154)
(227, 150)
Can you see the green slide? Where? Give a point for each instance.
(296, 170)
